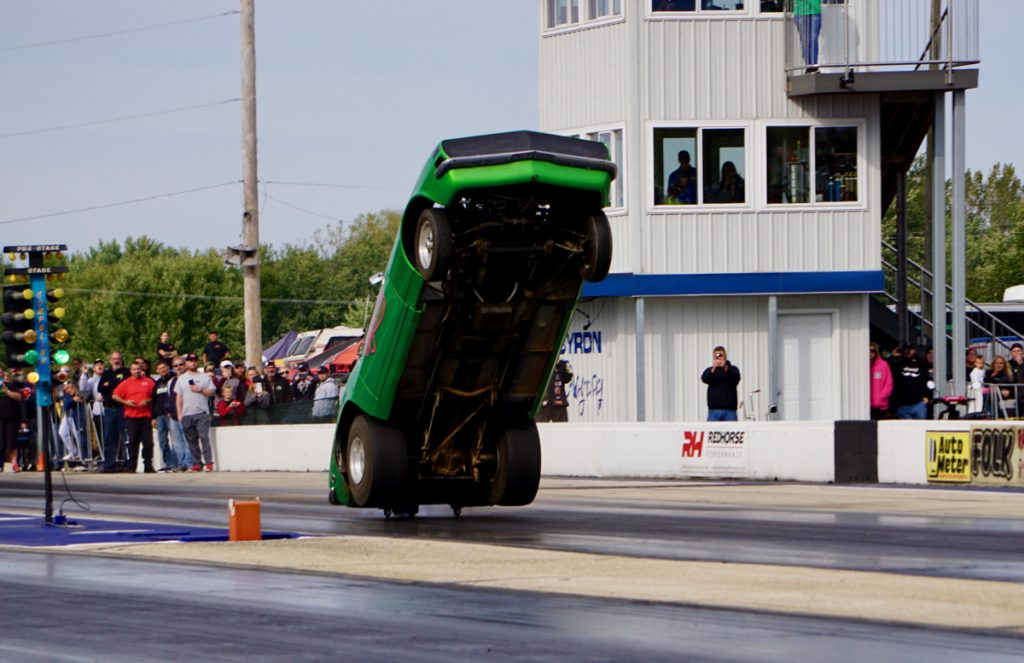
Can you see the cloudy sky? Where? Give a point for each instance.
(352, 95)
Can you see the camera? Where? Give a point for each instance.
(192, 382)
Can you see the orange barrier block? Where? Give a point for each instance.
(244, 520)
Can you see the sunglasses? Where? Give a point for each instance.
(718, 355)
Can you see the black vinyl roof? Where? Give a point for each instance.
(523, 141)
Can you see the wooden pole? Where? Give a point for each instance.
(250, 183)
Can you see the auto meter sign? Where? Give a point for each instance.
(949, 456)
(715, 451)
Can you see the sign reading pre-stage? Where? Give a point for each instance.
(949, 456)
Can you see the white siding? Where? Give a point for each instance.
(680, 335)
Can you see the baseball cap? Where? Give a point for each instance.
(227, 362)
(191, 357)
(323, 369)
(303, 366)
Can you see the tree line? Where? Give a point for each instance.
(120, 296)
(994, 245)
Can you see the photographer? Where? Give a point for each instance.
(722, 378)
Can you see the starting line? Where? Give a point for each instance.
(33, 531)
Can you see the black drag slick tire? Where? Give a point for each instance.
(597, 253)
(375, 462)
(432, 247)
(517, 472)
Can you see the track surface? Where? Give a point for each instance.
(81, 606)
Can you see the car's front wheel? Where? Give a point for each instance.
(597, 252)
(375, 462)
(433, 244)
(517, 470)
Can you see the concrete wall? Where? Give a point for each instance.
(767, 451)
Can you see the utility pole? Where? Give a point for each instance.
(250, 217)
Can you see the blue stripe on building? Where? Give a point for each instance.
(751, 283)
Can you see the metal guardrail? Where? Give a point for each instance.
(991, 327)
(883, 35)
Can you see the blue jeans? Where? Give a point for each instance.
(163, 433)
(809, 26)
(721, 415)
(915, 411)
(114, 431)
(181, 451)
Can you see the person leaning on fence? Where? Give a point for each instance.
(10, 420)
(1016, 364)
(722, 378)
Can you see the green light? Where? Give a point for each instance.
(62, 356)
(32, 357)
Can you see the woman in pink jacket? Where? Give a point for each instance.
(881, 384)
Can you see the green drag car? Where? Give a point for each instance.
(493, 248)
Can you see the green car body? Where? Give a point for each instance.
(493, 249)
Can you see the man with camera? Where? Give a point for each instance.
(722, 378)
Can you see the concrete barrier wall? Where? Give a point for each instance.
(902, 451)
(784, 451)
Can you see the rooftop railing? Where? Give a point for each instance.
(881, 35)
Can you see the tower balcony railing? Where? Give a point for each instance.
(849, 36)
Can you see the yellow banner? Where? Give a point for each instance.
(949, 456)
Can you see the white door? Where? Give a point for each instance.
(806, 359)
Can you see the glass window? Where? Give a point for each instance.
(563, 12)
(673, 5)
(724, 163)
(794, 177)
(835, 164)
(675, 170)
(699, 166)
(602, 8)
(766, 6)
(612, 139)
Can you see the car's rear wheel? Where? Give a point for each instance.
(375, 462)
(517, 471)
(597, 252)
(432, 251)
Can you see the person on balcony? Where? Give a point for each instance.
(807, 16)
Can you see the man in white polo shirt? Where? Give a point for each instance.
(193, 391)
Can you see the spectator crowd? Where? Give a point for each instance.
(105, 414)
(903, 384)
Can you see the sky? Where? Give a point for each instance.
(350, 94)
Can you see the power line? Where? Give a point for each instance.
(119, 119)
(300, 209)
(117, 204)
(168, 295)
(118, 32)
(336, 186)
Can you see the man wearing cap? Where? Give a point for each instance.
(325, 399)
(280, 390)
(114, 425)
(193, 391)
(304, 384)
(1016, 365)
(215, 352)
(910, 391)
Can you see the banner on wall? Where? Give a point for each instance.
(997, 454)
(714, 452)
(948, 456)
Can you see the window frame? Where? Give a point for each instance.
(863, 189)
(749, 150)
(620, 178)
(752, 11)
(586, 20)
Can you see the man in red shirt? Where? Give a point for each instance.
(136, 395)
